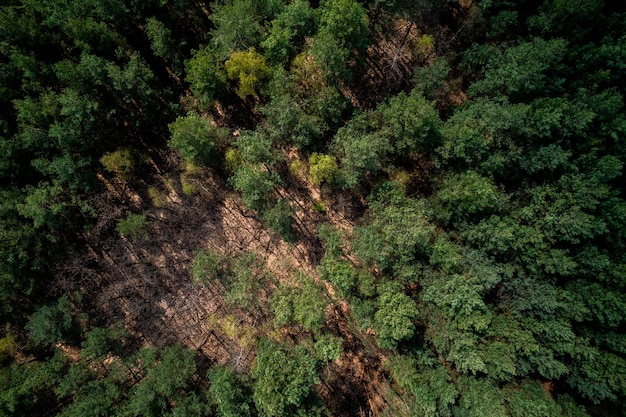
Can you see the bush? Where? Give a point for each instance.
(134, 226)
(322, 168)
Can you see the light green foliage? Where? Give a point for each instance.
(426, 386)
(256, 185)
(206, 266)
(249, 69)
(160, 37)
(120, 162)
(157, 196)
(347, 21)
(8, 348)
(340, 273)
(195, 137)
(394, 318)
(410, 123)
(283, 380)
(232, 160)
(423, 47)
(227, 392)
(328, 348)
(134, 226)
(256, 148)
(479, 398)
(398, 233)
(530, 399)
(303, 305)
(468, 194)
(322, 168)
(292, 24)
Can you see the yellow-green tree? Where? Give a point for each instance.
(249, 69)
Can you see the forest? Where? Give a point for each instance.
(275, 208)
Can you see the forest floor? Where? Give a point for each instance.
(146, 285)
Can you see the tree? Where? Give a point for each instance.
(359, 150)
(328, 348)
(426, 385)
(399, 233)
(246, 278)
(468, 194)
(429, 79)
(195, 137)
(228, 393)
(256, 185)
(283, 380)
(347, 21)
(255, 147)
(52, 324)
(249, 69)
(410, 123)
(394, 318)
(303, 304)
(288, 29)
(163, 382)
(340, 273)
(207, 266)
(279, 218)
(529, 399)
(120, 163)
(205, 74)
(322, 168)
(480, 397)
(237, 26)
(534, 66)
(134, 226)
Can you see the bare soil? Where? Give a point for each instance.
(146, 285)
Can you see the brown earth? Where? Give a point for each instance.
(146, 285)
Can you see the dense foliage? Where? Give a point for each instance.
(487, 262)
